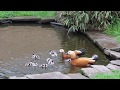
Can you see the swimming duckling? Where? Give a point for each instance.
(35, 57)
(44, 65)
(31, 64)
(50, 62)
(53, 53)
(64, 55)
(84, 61)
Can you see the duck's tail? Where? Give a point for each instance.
(82, 50)
(95, 57)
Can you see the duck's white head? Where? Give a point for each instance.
(70, 52)
(61, 50)
(68, 60)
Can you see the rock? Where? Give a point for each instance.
(112, 54)
(115, 62)
(47, 21)
(5, 21)
(25, 18)
(6, 72)
(117, 49)
(77, 76)
(90, 72)
(15, 77)
(58, 24)
(102, 40)
(3, 76)
(101, 68)
(52, 75)
(113, 67)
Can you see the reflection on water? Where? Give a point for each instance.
(19, 41)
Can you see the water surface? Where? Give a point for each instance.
(19, 41)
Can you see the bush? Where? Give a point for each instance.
(88, 20)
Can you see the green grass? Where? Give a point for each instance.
(114, 75)
(114, 30)
(41, 14)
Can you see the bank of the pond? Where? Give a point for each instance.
(28, 19)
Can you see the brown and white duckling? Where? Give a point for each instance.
(31, 64)
(44, 65)
(53, 53)
(35, 57)
(50, 61)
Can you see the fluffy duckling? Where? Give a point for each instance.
(64, 55)
(83, 61)
(53, 53)
(35, 57)
(50, 61)
(44, 65)
(31, 64)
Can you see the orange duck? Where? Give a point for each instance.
(83, 61)
(64, 55)
(74, 56)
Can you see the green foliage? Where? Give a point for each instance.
(114, 75)
(114, 29)
(84, 20)
(41, 14)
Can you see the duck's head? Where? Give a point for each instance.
(70, 52)
(68, 60)
(61, 50)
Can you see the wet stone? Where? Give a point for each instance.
(15, 77)
(52, 75)
(7, 72)
(101, 68)
(113, 67)
(77, 76)
(115, 62)
(90, 72)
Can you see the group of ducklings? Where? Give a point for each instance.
(74, 57)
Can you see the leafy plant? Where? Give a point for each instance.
(86, 20)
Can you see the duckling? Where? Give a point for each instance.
(44, 65)
(31, 64)
(35, 57)
(64, 55)
(53, 53)
(84, 61)
(50, 61)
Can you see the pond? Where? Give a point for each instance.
(19, 41)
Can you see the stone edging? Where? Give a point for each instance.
(26, 19)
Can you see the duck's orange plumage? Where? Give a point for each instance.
(64, 55)
(83, 61)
